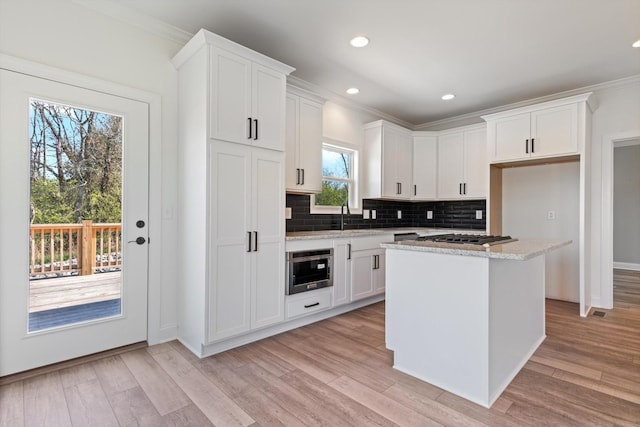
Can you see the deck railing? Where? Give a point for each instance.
(57, 249)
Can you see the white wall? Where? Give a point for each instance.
(528, 194)
(626, 204)
(71, 37)
(618, 112)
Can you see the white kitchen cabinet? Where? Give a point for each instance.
(367, 273)
(231, 223)
(546, 130)
(425, 166)
(341, 271)
(303, 144)
(246, 265)
(388, 160)
(462, 164)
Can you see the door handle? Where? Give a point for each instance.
(250, 129)
(139, 240)
(249, 238)
(255, 137)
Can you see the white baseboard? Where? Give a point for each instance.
(626, 266)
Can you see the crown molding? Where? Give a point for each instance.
(137, 19)
(341, 100)
(477, 114)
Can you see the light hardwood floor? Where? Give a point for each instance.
(338, 373)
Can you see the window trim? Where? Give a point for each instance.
(355, 206)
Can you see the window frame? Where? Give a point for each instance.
(353, 181)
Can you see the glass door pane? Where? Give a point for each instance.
(75, 241)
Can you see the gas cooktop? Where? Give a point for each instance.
(468, 239)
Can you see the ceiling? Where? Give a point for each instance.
(487, 52)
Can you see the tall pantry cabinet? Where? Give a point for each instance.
(231, 191)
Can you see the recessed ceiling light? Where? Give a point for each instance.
(448, 96)
(359, 41)
(636, 43)
(353, 90)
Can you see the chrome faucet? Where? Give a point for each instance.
(342, 222)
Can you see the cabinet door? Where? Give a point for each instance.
(554, 131)
(229, 259)
(476, 166)
(378, 275)
(267, 272)
(341, 272)
(362, 263)
(511, 137)
(390, 183)
(404, 165)
(292, 156)
(425, 169)
(450, 166)
(230, 101)
(268, 107)
(310, 146)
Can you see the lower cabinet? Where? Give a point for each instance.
(341, 272)
(367, 273)
(308, 302)
(246, 239)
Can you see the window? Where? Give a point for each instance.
(339, 184)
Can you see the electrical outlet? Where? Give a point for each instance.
(399, 214)
(365, 214)
(478, 214)
(429, 214)
(287, 213)
(551, 215)
(373, 214)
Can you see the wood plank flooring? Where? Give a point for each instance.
(338, 373)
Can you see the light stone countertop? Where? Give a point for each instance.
(520, 250)
(336, 234)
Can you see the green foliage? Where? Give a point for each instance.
(48, 204)
(334, 193)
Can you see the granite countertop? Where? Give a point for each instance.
(335, 234)
(520, 250)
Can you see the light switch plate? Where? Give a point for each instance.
(429, 214)
(399, 214)
(365, 214)
(373, 214)
(478, 214)
(287, 213)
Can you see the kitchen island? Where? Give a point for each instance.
(465, 318)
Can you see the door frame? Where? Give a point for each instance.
(609, 142)
(156, 332)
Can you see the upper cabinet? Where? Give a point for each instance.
(546, 130)
(388, 160)
(303, 143)
(462, 163)
(246, 102)
(425, 170)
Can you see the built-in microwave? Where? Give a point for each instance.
(308, 270)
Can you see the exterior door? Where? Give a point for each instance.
(123, 252)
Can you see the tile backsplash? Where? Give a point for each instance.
(446, 214)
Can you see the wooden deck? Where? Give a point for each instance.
(48, 294)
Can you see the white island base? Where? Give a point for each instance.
(466, 324)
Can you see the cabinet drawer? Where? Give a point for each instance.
(370, 242)
(299, 305)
